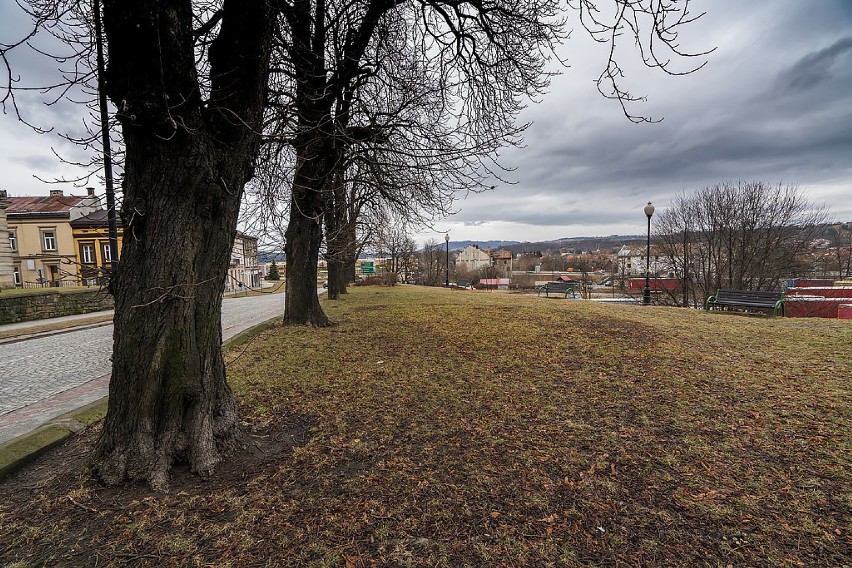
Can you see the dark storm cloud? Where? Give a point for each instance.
(773, 104)
(825, 65)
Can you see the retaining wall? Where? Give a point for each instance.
(48, 304)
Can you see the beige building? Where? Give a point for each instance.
(7, 277)
(243, 271)
(472, 258)
(41, 239)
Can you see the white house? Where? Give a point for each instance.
(472, 258)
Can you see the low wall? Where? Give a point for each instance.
(821, 291)
(43, 305)
(813, 306)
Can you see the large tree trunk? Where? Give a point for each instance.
(186, 163)
(304, 234)
(169, 400)
(336, 236)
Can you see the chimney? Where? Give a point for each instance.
(56, 193)
(90, 191)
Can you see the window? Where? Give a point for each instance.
(87, 253)
(106, 252)
(13, 241)
(16, 272)
(48, 239)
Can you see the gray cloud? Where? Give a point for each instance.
(815, 69)
(772, 104)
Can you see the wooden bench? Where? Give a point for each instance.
(747, 299)
(564, 288)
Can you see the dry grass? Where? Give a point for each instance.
(451, 428)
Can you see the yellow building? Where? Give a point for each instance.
(41, 239)
(91, 243)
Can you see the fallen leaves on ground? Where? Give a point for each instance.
(454, 428)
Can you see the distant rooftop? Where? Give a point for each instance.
(95, 219)
(56, 203)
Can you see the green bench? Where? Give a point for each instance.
(746, 300)
(564, 288)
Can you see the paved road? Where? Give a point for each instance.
(44, 377)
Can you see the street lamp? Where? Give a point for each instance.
(646, 293)
(447, 240)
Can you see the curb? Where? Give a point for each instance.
(16, 453)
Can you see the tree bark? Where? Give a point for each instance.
(187, 161)
(169, 399)
(336, 235)
(304, 234)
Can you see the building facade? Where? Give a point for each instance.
(243, 271)
(7, 271)
(502, 262)
(92, 246)
(41, 238)
(472, 259)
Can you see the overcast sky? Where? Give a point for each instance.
(773, 103)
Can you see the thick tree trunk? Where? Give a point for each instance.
(304, 235)
(186, 163)
(169, 400)
(336, 236)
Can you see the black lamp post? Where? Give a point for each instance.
(447, 240)
(646, 293)
(105, 141)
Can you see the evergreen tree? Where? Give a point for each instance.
(273, 272)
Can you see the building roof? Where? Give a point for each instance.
(94, 220)
(41, 205)
(502, 255)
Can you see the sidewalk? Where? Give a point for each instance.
(24, 325)
(29, 430)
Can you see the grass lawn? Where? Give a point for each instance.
(274, 289)
(14, 292)
(434, 427)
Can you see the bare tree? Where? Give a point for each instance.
(188, 84)
(748, 235)
(841, 244)
(432, 264)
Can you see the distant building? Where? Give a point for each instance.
(243, 271)
(474, 259)
(631, 262)
(92, 246)
(7, 272)
(41, 239)
(502, 262)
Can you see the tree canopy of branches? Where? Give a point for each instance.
(411, 98)
(744, 235)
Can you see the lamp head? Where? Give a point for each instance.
(649, 210)
(446, 237)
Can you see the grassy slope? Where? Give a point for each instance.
(459, 428)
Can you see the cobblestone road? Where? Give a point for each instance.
(35, 370)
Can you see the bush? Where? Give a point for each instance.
(386, 279)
